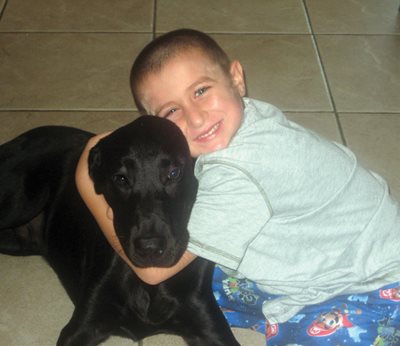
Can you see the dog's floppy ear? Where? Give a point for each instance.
(94, 164)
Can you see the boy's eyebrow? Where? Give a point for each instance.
(158, 110)
(199, 81)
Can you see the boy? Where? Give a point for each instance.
(277, 204)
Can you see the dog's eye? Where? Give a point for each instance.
(174, 174)
(120, 180)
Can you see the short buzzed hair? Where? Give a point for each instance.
(158, 52)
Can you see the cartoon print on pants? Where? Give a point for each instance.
(392, 294)
(330, 322)
(388, 334)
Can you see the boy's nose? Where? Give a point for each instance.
(196, 117)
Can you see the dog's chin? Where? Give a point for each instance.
(167, 259)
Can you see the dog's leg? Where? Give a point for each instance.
(90, 325)
(208, 326)
(99, 307)
(24, 240)
(197, 317)
(202, 320)
(74, 334)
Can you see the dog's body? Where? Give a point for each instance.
(144, 171)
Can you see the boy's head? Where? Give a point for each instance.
(186, 77)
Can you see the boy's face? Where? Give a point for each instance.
(195, 94)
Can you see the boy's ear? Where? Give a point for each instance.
(238, 78)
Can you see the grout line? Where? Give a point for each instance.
(73, 32)
(3, 9)
(323, 72)
(75, 110)
(154, 32)
(253, 33)
(124, 110)
(357, 34)
(154, 19)
(343, 112)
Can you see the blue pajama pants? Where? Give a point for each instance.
(366, 319)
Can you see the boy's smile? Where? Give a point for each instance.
(193, 92)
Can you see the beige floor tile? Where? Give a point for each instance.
(14, 123)
(280, 69)
(273, 16)
(375, 139)
(31, 300)
(322, 123)
(75, 15)
(344, 16)
(34, 306)
(245, 337)
(67, 71)
(162, 340)
(363, 71)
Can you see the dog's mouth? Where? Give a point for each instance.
(154, 251)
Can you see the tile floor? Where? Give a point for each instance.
(333, 66)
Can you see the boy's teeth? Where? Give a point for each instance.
(209, 133)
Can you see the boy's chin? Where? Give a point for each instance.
(208, 150)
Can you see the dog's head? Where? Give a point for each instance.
(145, 172)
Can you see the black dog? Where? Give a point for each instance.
(145, 172)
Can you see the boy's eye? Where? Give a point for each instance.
(169, 113)
(201, 91)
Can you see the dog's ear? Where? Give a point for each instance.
(94, 165)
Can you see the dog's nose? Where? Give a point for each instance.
(150, 247)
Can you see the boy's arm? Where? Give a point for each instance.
(103, 215)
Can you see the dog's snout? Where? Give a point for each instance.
(150, 247)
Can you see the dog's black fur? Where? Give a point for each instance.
(145, 172)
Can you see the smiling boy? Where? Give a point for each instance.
(206, 103)
(277, 204)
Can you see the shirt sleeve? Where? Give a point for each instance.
(229, 212)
